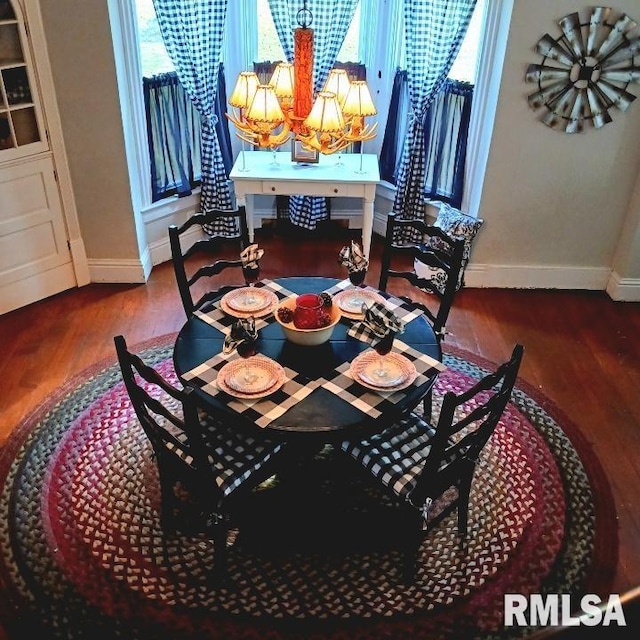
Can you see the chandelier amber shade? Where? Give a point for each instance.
(245, 88)
(338, 83)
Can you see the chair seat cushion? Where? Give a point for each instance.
(233, 456)
(396, 455)
(236, 457)
(457, 225)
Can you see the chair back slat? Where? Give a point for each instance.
(214, 269)
(188, 261)
(461, 433)
(434, 249)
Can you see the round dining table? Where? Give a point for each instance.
(327, 413)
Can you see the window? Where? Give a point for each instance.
(135, 41)
(465, 67)
(270, 49)
(153, 54)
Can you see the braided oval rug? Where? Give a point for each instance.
(81, 549)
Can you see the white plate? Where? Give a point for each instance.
(401, 372)
(248, 299)
(350, 301)
(264, 310)
(265, 377)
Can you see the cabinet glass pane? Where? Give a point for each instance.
(10, 49)
(6, 10)
(16, 86)
(18, 115)
(25, 126)
(6, 139)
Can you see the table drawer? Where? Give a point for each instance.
(326, 189)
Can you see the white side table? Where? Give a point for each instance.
(324, 179)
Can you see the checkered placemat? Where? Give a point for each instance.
(405, 311)
(222, 321)
(262, 411)
(372, 402)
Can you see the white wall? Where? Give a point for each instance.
(554, 204)
(560, 210)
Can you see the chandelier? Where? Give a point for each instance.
(268, 115)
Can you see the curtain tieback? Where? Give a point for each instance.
(210, 121)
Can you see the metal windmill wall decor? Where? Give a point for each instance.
(587, 70)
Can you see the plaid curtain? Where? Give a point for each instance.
(434, 30)
(446, 131)
(173, 131)
(330, 24)
(193, 31)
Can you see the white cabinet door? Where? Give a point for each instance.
(35, 260)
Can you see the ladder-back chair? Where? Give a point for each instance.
(205, 465)
(416, 463)
(200, 265)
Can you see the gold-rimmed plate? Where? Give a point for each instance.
(248, 299)
(350, 301)
(234, 303)
(251, 378)
(400, 372)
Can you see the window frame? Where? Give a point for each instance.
(239, 53)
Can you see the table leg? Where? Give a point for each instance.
(367, 226)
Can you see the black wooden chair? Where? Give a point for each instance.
(222, 253)
(420, 465)
(440, 254)
(206, 467)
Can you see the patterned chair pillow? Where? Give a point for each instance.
(458, 225)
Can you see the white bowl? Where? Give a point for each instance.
(307, 337)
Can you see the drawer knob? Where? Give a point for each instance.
(273, 188)
(335, 191)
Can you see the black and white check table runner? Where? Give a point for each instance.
(263, 411)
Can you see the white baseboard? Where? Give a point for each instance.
(476, 275)
(121, 271)
(623, 289)
(536, 277)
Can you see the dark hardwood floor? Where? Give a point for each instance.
(582, 351)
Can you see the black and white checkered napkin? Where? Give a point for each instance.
(379, 320)
(242, 330)
(251, 255)
(353, 258)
